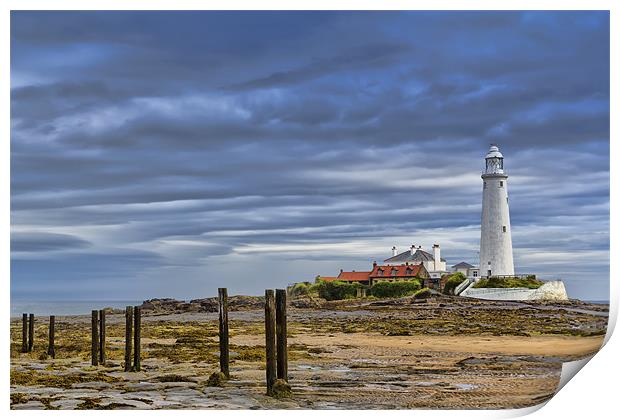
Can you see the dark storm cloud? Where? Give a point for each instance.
(370, 56)
(206, 145)
(36, 241)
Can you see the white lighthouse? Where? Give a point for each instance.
(495, 235)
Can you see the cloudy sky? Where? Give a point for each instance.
(165, 154)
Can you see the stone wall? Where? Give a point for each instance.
(553, 290)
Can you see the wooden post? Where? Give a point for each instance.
(128, 326)
(102, 336)
(24, 333)
(270, 339)
(224, 351)
(31, 333)
(282, 356)
(94, 348)
(136, 338)
(51, 351)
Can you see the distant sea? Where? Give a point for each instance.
(66, 307)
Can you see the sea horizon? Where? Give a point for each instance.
(41, 307)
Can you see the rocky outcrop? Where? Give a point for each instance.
(235, 303)
(306, 302)
(167, 305)
(552, 290)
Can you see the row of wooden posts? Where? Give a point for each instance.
(133, 329)
(98, 336)
(276, 349)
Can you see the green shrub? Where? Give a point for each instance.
(396, 289)
(299, 289)
(506, 282)
(303, 289)
(453, 281)
(336, 290)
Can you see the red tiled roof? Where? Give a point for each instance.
(353, 276)
(395, 270)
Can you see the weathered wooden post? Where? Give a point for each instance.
(282, 358)
(24, 333)
(136, 338)
(222, 293)
(102, 336)
(51, 351)
(31, 333)
(128, 326)
(94, 349)
(270, 339)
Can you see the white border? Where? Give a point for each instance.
(592, 395)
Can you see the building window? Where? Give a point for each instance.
(475, 274)
(501, 184)
(504, 229)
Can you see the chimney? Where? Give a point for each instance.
(374, 264)
(437, 255)
(413, 250)
(393, 251)
(341, 271)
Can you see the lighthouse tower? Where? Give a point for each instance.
(495, 235)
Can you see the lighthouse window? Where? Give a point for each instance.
(501, 184)
(504, 229)
(484, 184)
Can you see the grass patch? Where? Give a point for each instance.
(422, 293)
(250, 353)
(37, 378)
(281, 389)
(19, 398)
(496, 282)
(173, 378)
(89, 404)
(216, 379)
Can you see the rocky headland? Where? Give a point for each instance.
(436, 352)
